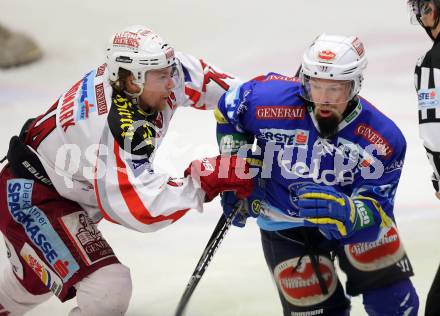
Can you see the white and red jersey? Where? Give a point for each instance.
(82, 143)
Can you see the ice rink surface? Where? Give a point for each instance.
(247, 38)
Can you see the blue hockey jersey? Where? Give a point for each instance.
(364, 160)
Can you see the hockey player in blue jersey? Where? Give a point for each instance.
(328, 165)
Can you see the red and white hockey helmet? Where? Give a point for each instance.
(334, 57)
(138, 49)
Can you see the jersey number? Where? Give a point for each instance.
(42, 127)
(215, 76)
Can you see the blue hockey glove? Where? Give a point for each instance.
(251, 206)
(334, 213)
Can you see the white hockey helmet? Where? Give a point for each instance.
(334, 57)
(138, 49)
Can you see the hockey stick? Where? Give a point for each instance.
(214, 242)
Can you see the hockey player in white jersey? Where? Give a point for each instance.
(90, 156)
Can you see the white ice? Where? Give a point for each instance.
(247, 38)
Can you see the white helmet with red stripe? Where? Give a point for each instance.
(335, 57)
(138, 49)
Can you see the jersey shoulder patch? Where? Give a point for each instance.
(235, 103)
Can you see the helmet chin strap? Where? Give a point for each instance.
(135, 100)
(437, 20)
(430, 29)
(135, 96)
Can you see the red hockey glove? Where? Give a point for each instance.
(222, 173)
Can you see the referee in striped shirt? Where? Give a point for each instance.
(427, 83)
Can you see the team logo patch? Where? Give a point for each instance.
(428, 98)
(100, 99)
(301, 137)
(232, 143)
(101, 69)
(326, 55)
(300, 286)
(44, 273)
(280, 112)
(17, 267)
(358, 46)
(87, 101)
(372, 256)
(38, 228)
(256, 207)
(86, 237)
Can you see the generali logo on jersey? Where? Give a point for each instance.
(280, 112)
(373, 137)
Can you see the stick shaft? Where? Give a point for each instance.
(214, 242)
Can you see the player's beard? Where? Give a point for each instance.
(328, 126)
